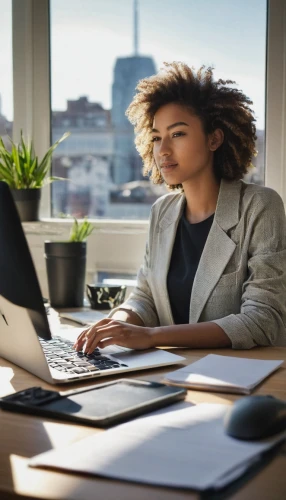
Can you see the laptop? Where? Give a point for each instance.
(26, 338)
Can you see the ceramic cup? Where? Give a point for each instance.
(103, 296)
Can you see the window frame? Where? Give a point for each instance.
(275, 123)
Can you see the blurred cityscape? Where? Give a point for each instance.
(99, 159)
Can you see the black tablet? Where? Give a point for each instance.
(100, 406)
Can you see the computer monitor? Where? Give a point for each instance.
(18, 280)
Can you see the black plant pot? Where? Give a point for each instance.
(27, 202)
(66, 263)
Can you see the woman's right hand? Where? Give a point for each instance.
(111, 331)
(122, 315)
(83, 336)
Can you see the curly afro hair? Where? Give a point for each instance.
(216, 103)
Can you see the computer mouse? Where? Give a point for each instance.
(255, 417)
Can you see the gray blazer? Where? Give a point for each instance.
(240, 282)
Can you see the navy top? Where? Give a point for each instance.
(188, 248)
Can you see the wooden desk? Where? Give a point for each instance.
(22, 437)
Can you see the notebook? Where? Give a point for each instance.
(223, 373)
(25, 332)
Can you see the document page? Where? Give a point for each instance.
(224, 373)
(184, 446)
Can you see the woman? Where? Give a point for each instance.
(215, 262)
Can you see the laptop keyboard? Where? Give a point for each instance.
(61, 356)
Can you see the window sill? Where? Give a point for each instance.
(114, 246)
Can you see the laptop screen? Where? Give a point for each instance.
(18, 280)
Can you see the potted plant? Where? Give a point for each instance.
(25, 175)
(66, 264)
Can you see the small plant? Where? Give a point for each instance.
(80, 230)
(20, 168)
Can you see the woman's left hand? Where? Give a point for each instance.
(110, 331)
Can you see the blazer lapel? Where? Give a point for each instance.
(218, 248)
(167, 232)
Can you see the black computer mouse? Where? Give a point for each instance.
(255, 417)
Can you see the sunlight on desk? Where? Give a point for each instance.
(197, 397)
(6, 374)
(26, 480)
(63, 434)
(19, 471)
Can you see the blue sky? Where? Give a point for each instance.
(88, 36)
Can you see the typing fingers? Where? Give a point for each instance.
(88, 333)
(81, 339)
(101, 332)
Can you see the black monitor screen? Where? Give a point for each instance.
(18, 280)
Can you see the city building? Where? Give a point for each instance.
(84, 158)
(5, 126)
(257, 172)
(127, 73)
(100, 157)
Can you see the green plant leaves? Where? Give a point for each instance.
(80, 231)
(20, 167)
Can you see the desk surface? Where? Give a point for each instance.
(22, 437)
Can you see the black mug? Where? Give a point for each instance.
(103, 296)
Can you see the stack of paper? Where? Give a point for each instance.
(224, 373)
(184, 446)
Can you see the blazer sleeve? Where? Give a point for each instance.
(262, 317)
(141, 299)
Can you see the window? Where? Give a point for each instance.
(32, 110)
(99, 52)
(6, 80)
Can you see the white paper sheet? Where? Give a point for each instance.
(184, 447)
(224, 373)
